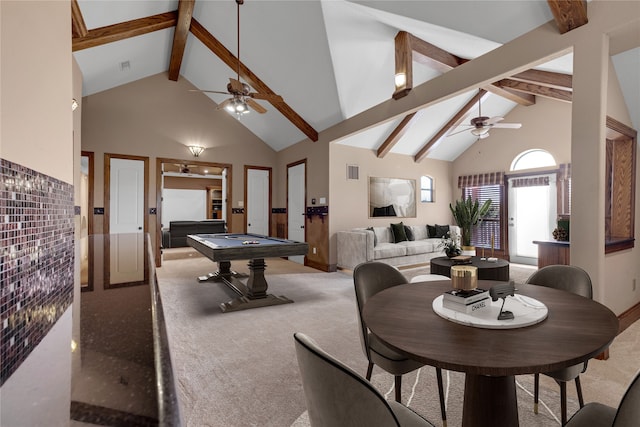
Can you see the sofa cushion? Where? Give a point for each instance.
(419, 232)
(409, 232)
(440, 231)
(398, 233)
(419, 247)
(388, 250)
(431, 229)
(383, 234)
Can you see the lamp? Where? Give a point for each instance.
(481, 132)
(238, 106)
(196, 150)
(401, 80)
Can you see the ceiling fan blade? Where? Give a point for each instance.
(224, 104)
(236, 85)
(460, 131)
(493, 120)
(271, 97)
(209, 91)
(253, 104)
(507, 125)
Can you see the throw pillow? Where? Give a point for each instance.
(442, 230)
(399, 235)
(409, 233)
(375, 238)
(431, 230)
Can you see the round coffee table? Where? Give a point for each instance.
(487, 270)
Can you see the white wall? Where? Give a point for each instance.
(183, 205)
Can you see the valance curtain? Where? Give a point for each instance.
(535, 181)
(480, 180)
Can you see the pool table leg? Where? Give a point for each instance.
(253, 294)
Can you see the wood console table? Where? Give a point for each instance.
(552, 252)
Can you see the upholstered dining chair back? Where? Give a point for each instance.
(565, 277)
(370, 278)
(628, 414)
(338, 396)
(596, 414)
(572, 279)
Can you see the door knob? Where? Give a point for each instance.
(139, 228)
(302, 226)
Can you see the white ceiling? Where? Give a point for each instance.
(329, 59)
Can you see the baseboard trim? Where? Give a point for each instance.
(319, 266)
(629, 317)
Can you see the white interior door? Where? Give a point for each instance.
(126, 193)
(296, 206)
(258, 201)
(126, 258)
(532, 216)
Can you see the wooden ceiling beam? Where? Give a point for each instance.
(78, 27)
(537, 90)
(569, 14)
(404, 65)
(232, 62)
(456, 120)
(397, 134)
(410, 47)
(545, 78)
(185, 13)
(125, 30)
(521, 98)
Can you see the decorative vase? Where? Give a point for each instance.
(469, 250)
(453, 252)
(464, 277)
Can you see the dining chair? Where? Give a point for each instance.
(572, 279)
(338, 396)
(370, 278)
(598, 415)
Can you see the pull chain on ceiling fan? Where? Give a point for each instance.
(481, 125)
(241, 96)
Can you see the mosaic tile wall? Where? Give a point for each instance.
(36, 260)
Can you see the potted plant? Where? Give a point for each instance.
(467, 213)
(450, 245)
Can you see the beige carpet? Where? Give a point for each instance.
(239, 369)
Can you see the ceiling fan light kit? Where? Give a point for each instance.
(481, 125)
(242, 99)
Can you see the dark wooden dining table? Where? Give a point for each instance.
(576, 329)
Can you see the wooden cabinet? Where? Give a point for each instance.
(552, 252)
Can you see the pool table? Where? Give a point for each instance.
(224, 248)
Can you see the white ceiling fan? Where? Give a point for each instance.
(241, 96)
(481, 125)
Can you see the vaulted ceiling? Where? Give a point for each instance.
(333, 59)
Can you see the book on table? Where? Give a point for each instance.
(465, 297)
(469, 307)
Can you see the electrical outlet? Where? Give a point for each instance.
(315, 251)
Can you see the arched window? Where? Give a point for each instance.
(530, 159)
(426, 189)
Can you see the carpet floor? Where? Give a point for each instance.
(239, 369)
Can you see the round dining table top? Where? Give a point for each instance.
(576, 329)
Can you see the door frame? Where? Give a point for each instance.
(107, 188)
(159, 162)
(304, 198)
(90, 179)
(246, 201)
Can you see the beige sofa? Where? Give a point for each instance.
(377, 244)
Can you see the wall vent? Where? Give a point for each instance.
(353, 172)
